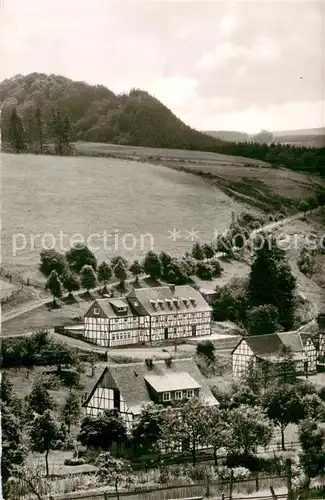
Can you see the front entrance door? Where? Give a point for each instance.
(193, 330)
(166, 333)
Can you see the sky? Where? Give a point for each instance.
(242, 66)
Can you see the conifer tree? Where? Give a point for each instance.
(16, 132)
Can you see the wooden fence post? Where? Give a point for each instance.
(231, 483)
(207, 492)
(256, 482)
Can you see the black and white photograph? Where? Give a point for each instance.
(162, 258)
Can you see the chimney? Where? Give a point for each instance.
(149, 362)
(172, 288)
(168, 361)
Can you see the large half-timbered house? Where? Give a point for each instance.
(128, 387)
(147, 315)
(254, 351)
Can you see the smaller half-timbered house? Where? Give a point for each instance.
(128, 387)
(254, 351)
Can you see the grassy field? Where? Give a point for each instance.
(87, 196)
(251, 180)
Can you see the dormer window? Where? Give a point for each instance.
(96, 311)
(185, 300)
(193, 301)
(166, 396)
(153, 303)
(161, 303)
(189, 393)
(176, 302)
(136, 303)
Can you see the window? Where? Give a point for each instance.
(178, 395)
(96, 311)
(113, 337)
(129, 335)
(190, 393)
(166, 396)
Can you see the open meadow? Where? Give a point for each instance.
(44, 195)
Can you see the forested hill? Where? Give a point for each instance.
(96, 114)
(35, 103)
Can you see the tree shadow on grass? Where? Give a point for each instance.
(87, 296)
(52, 306)
(69, 299)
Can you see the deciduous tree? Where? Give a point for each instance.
(71, 410)
(136, 270)
(88, 277)
(54, 285)
(46, 434)
(284, 406)
(79, 256)
(152, 265)
(113, 471)
(251, 428)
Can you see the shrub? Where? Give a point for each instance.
(204, 271)
(74, 461)
(262, 320)
(306, 262)
(206, 349)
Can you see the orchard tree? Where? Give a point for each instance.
(71, 282)
(113, 471)
(104, 273)
(71, 410)
(136, 270)
(262, 320)
(251, 428)
(88, 277)
(79, 256)
(312, 440)
(120, 273)
(220, 433)
(54, 285)
(59, 353)
(152, 265)
(13, 452)
(283, 406)
(187, 426)
(46, 434)
(39, 399)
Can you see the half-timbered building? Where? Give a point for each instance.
(148, 315)
(254, 351)
(128, 387)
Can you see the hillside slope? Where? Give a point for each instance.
(97, 114)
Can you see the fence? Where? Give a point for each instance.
(198, 489)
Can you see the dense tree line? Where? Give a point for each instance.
(37, 136)
(138, 119)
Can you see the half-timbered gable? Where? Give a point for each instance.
(242, 358)
(128, 387)
(254, 351)
(111, 322)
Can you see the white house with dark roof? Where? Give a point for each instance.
(128, 387)
(148, 314)
(253, 351)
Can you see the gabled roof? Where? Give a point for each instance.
(147, 296)
(106, 305)
(272, 345)
(130, 380)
